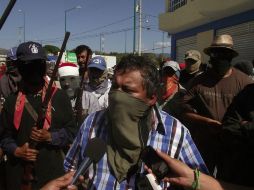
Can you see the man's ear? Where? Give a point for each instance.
(152, 100)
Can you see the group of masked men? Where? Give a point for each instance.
(200, 115)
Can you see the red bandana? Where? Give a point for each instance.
(170, 87)
(20, 103)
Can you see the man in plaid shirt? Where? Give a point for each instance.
(131, 122)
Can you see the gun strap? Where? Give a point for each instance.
(31, 110)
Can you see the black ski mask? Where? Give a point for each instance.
(221, 61)
(33, 71)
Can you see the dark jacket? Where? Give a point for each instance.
(49, 164)
(237, 140)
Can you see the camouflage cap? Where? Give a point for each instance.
(193, 54)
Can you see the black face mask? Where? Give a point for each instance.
(221, 66)
(96, 77)
(221, 61)
(33, 72)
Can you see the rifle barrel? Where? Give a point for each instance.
(41, 117)
(6, 13)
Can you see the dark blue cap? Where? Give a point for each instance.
(29, 51)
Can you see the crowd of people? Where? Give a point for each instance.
(198, 119)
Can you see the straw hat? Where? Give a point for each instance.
(224, 41)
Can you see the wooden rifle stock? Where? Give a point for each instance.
(29, 174)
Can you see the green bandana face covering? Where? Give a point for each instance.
(124, 145)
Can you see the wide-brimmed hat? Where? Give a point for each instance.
(224, 41)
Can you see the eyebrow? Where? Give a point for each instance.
(129, 85)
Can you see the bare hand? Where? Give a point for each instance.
(214, 123)
(244, 122)
(80, 180)
(40, 135)
(180, 174)
(61, 182)
(26, 153)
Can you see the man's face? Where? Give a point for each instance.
(167, 72)
(95, 76)
(70, 84)
(81, 58)
(33, 71)
(192, 65)
(131, 82)
(94, 73)
(220, 60)
(50, 68)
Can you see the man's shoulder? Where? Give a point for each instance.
(12, 98)
(241, 76)
(4, 78)
(198, 80)
(60, 94)
(3, 82)
(10, 102)
(170, 121)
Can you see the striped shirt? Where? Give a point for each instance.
(167, 134)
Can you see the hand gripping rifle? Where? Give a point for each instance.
(29, 176)
(78, 109)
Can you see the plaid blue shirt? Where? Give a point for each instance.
(167, 135)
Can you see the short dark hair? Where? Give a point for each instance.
(79, 49)
(147, 68)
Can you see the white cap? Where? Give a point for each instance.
(68, 69)
(173, 64)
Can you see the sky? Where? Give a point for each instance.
(105, 25)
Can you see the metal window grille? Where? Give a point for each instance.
(176, 4)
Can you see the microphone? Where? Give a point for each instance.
(94, 151)
(157, 165)
(154, 184)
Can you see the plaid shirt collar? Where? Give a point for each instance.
(157, 123)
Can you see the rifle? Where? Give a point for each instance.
(29, 176)
(78, 109)
(6, 13)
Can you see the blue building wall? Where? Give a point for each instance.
(215, 25)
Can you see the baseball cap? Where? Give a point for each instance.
(28, 51)
(193, 54)
(97, 62)
(68, 69)
(173, 64)
(11, 54)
